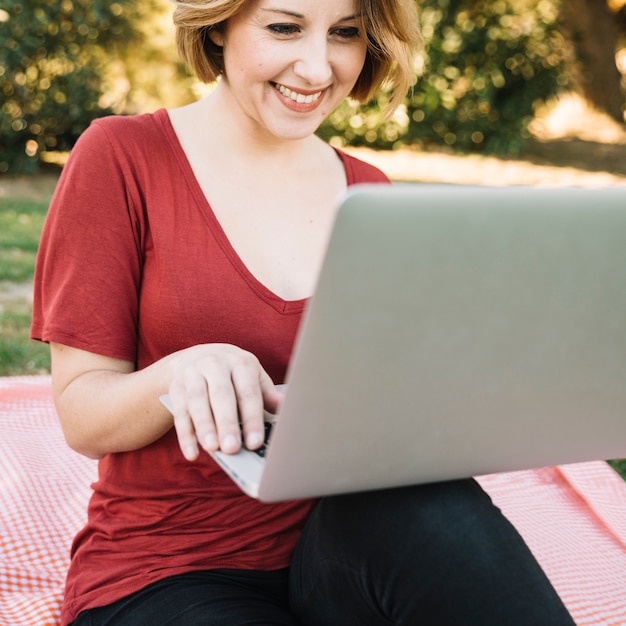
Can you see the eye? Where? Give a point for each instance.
(284, 29)
(347, 32)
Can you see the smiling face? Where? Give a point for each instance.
(290, 63)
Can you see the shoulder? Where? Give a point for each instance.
(358, 171)
(132, 131)
(123, 147)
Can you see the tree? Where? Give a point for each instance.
(593, 27)
(52, 59)
(486, 66)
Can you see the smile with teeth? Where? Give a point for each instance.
(298, 97)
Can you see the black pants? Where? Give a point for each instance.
(434, 555)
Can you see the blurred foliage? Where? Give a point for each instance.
(64, 63)
(486, 67)
(51, 58)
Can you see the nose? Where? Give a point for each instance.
(314, 63)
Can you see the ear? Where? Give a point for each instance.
(216, 36)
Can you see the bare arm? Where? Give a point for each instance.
(106, 406)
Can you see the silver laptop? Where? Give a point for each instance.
(454, 331)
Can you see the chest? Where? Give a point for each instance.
(277, 225)
(196, 289)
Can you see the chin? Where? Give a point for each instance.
(296, 130)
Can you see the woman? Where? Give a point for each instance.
(177, 257)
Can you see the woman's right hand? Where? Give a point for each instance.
(105, 405)
(219, 391)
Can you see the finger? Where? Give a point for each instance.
(272, 394)
(182, 424)
(186, 437)
(246, 381)
(193, 418)
(225, 414)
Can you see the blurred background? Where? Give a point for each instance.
(491, 73)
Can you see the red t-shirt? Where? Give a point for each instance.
(133, 264)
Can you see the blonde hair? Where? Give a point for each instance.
(391, 28)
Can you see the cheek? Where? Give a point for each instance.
(351, 67)
(244, 61)
(353, 61)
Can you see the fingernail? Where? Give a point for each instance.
(210, 442)
(230, 442)
(191, 453)
(253, 440)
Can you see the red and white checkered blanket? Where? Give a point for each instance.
(573, 517)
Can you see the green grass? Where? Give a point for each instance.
(619, 466)
(21, 222)
(19, 355)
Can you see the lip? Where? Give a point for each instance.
(300, 105)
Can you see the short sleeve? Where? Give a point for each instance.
(88, 269)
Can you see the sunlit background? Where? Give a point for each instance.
(488, 70)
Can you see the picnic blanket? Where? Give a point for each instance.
(573, 517)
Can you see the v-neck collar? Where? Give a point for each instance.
(262, 291)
